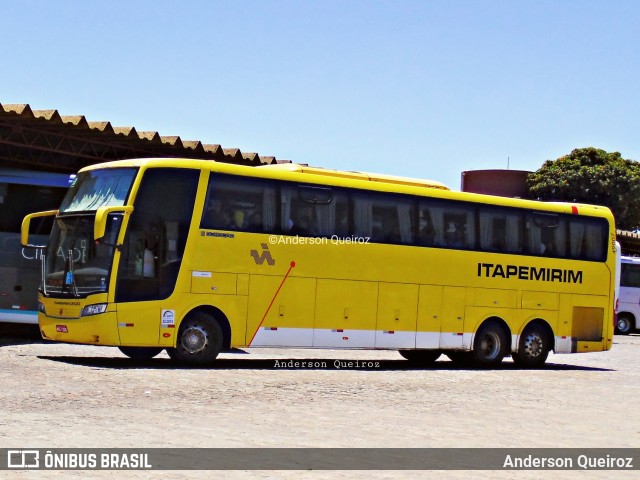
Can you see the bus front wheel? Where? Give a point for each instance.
(421, 357)
(534, 347)
(490, 345)
(140, 353)
(200, 340)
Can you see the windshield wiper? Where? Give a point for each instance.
(70, 278)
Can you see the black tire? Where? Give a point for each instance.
(489, 345)
(199, 341)
(421, 357)
(624, 324)
(141, 353)
(534, 347)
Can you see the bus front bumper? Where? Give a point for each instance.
(92, 330)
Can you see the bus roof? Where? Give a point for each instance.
(372, 177)
(359, 180)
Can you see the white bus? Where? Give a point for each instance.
(629, 300)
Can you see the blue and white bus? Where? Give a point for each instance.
(22, 192)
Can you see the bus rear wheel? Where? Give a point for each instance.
(534, 347)
(141, 353)
(199, 341)
(490, 345)
(624, 324)
(421, 357)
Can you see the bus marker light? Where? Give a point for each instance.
(166, 335)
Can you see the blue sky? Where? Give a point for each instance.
(417, 88)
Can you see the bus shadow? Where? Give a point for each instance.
(295, 364)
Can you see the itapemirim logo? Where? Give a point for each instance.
(264, 256)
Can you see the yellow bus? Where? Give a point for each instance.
(197, 257)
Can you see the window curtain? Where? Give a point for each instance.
(470, 233)
(560, 238)
(514, 244)
(404, 221)
(363, 217)
(577, 231)
(486, 231)
(285, 201)
(269, 208)
(535, 238)
(594, 242)
(326, 218)
(437, 217)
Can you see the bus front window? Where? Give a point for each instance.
(99, 188)
(76, 265)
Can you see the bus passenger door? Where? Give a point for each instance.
(452, 321)
(152, 254)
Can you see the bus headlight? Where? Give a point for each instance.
(41, 308)
(94, 309)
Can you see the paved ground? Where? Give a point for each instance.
(56, 395)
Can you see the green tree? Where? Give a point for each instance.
(591, 175)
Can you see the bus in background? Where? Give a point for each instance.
(629, 301)
(21, 192)
(197, 257)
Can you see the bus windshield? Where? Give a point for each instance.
(99, 188)
(76, 265)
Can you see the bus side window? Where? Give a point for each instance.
(241, 204)
(321, 211)
(630, 275)
(384, 218)
(459, 227)
(426, 229)
(500, 230)
(362, 214)
(587, 239)
(547, 234)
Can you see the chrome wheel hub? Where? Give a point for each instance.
(194, 339)
(490, 345)
(623, 324)
(533, 345)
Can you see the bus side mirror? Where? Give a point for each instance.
(26, 223)
(102, 214)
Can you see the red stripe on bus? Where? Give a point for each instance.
(291, 265)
